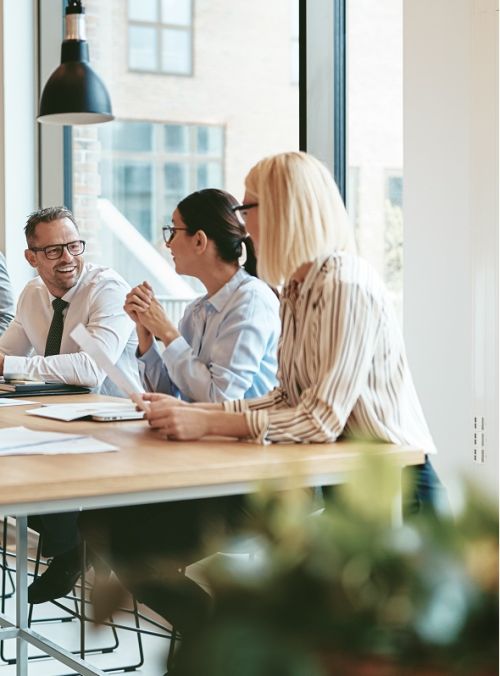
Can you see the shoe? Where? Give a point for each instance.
(59, 578)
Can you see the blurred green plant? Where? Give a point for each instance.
(345, 592)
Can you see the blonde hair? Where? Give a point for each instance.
(301, 214)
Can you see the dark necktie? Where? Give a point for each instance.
(53, 344)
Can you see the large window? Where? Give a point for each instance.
(375, 135)
(147, 168)
(174, 135)
(160, 36)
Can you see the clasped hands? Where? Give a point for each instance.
(150, 318)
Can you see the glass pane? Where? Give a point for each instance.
(209, 140)
(142, 48)
(129, 186)
(176, 178)
(133, 136)
(176, 138)
(176, 51)
(375, 135)
(177, 12)
(143, 10)
(209, 175)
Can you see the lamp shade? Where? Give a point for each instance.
(74, 93)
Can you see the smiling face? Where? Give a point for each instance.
(59, 275)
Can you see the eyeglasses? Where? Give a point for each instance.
(169, 232)
(243, 208)
(54, 251)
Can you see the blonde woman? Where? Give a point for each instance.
(342, 371)
(342, 363)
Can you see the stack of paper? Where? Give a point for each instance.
(15, 402)
(23, 441)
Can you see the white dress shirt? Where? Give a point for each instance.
(96, 301)
(342, 364)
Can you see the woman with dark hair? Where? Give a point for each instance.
(225, 348)
(226, 342)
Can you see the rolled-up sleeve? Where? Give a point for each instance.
(342, 344)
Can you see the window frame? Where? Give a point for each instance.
(159, 26)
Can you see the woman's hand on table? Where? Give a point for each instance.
(178, 421)
(166, 399)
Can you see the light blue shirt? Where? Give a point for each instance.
(227, 348)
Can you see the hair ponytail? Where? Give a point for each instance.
(211, 210)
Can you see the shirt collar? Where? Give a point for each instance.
(224, 294)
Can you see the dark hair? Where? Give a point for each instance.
(210, 210)
(46, 215)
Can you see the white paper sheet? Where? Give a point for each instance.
(23, 441)
(81, 336)
(7, 401)
(69, 412)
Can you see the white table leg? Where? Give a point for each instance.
(21, 593)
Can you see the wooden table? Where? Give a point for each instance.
(147, 469)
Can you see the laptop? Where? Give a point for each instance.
(100, 411)
(111, 416)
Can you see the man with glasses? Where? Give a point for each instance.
(37, 344)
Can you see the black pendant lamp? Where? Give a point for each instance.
(74, 93)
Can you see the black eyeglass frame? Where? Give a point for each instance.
(60, 248)
(171, 229)
(244, 207)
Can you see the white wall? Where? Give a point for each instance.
(17, 132)
(451, 224)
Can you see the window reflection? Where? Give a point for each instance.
(143, 10)
(176, 51)
(201, 91)
(159, 36)
(142, 48)
(375, 135)
(176, 12)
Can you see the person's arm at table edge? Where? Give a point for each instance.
(222, 423)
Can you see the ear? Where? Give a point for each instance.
(30, 257)
(200, 242)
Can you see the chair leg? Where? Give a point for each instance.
(171, 649)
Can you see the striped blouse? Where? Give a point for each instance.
(342, 364)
